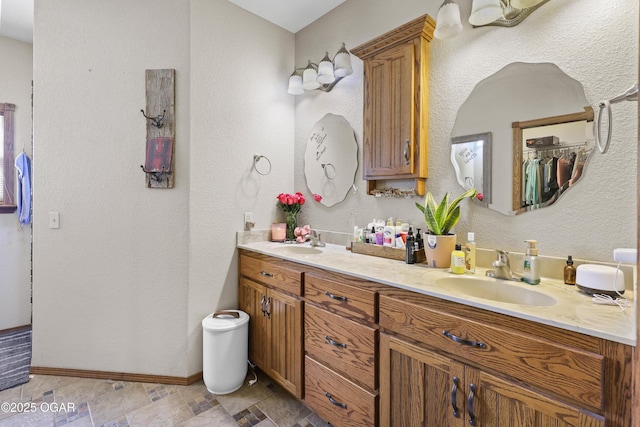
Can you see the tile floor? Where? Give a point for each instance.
(78, 402)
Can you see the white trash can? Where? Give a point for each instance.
(225, 350)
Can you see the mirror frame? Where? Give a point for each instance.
(518, 127)
(485, 137)
(7, 203)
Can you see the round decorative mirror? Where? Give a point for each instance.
(331, 159)
(538, 118)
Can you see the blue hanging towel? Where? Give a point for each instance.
(23, 164)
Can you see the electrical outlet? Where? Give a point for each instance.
(249, 223)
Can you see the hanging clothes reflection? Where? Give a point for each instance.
(547, 173)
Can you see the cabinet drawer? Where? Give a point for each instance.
(348, 347)
(562, 370)
(277, 274)
(336, 399)
(350, 301)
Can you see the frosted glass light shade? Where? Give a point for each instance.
(448, 24)
(295, 84)
(325, 71)
(484, 12)
(522, 4)
(310, 78)
(342, 63)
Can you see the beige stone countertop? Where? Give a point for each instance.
(573, 310)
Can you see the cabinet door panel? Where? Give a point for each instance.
(285, 337)
(417, 386)
(250, 297)
(389, 139)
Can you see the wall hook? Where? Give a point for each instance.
(157, 120)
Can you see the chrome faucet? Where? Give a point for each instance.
(316, 239)
(501, 266)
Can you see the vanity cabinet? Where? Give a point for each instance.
(341, 342)
(496, 370)
(396, 99)
(270, 292)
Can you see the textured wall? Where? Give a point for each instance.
(111, 284)
(15, 245)
(594, 42)
(239, 107)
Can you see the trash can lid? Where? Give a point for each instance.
(225, 320)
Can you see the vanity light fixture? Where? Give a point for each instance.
(504, 13)
(322, 76)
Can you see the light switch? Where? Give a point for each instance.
(54, 219)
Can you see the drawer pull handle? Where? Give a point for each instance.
(463, 341)
(262, 302)
(267, 308)
(336, 343)
(454, 397)
(472, 416)
(336, 297)
(335, 402)
(265, 274)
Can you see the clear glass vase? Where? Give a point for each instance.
(292, 223)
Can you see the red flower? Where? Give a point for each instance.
(479, 196)
(291, 202)
(317, 197)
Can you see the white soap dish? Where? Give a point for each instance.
(600, 279)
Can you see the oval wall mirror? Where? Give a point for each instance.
(331, 159)
(535, 113)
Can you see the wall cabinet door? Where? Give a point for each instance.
(275, 333)
(495, 402)
(389, 140)
(419, 387)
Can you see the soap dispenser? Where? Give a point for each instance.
(569, 272)
(530, 270)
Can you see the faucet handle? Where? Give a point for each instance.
(503, 256)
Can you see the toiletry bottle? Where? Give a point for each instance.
(372, 235)
(419, 239)
(398, 241)
(457, 260)
(379, 232)
(410, 254)
(389, 233)
(470, 253)
(570, 272)
(530, 270)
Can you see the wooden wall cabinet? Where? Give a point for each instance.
(270, 293)
(396, 104)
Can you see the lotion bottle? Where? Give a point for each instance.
(470, 253)
(457, 260)
(530, 269)
(389, 233)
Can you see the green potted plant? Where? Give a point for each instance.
(440, 219)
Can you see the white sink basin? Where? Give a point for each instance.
(297, 250)
(497, 290)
